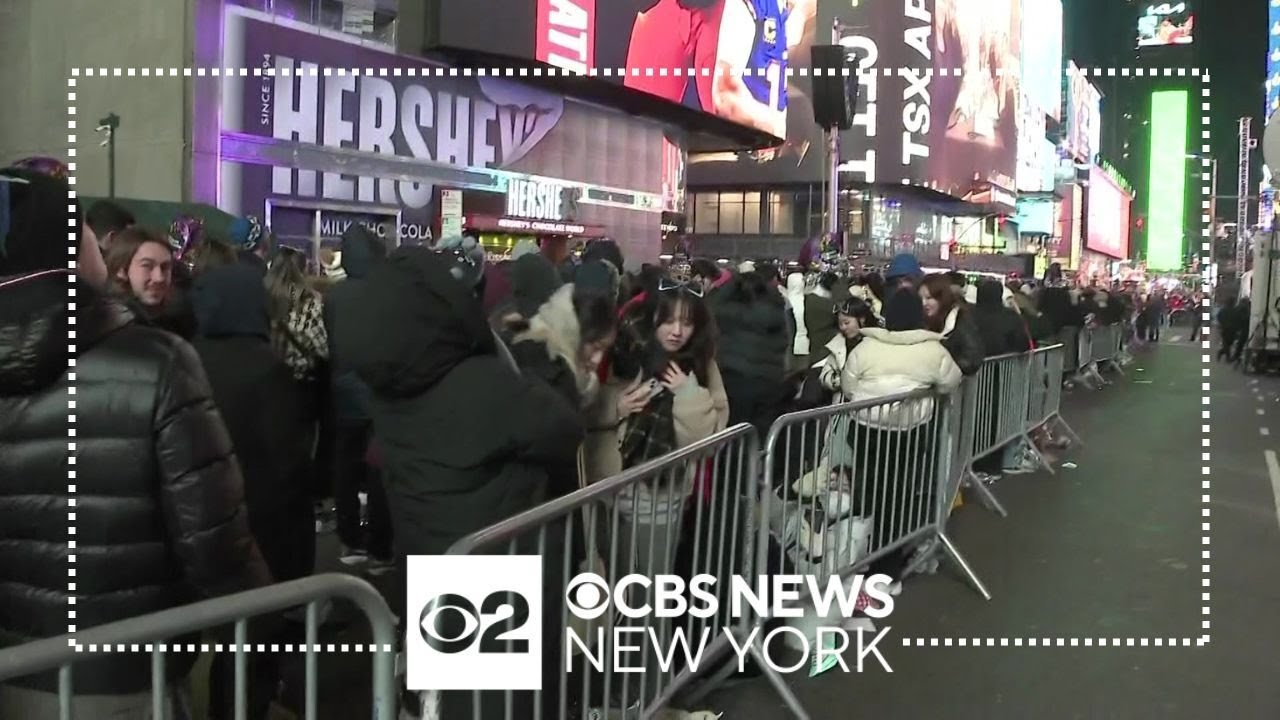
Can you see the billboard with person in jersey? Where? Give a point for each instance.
(657, 42)
(937, 105)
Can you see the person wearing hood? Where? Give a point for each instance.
(999, 326)
(894, 456)
(563, 343)
(257, 394)
(947, 314)
(1003, 333)
(754, 347)
(466, 439)
(166, 524)
(349, 421)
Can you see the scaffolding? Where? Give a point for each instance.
(1247, 143)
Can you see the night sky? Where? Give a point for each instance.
(1230, 40)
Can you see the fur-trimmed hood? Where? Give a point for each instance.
(556, 328)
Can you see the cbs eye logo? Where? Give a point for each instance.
(450, 623)
(587, 596)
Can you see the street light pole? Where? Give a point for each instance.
(108, 125)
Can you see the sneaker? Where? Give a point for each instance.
(1021, 469)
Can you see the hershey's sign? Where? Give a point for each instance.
(426, 119)
(536, 200)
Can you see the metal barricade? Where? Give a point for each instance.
(153, 634)
(693, 511)
(860, 485)
(1084, 350)
(1045, 405)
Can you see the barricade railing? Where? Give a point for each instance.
(861, 485)
(154, 634)
(690, 512)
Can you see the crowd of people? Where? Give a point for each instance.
(220, 391)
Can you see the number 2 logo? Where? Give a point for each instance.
(450, 623)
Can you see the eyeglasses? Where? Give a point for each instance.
(692, 287)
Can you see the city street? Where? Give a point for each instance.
(1109, 549)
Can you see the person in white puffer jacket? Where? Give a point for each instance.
(894, 443)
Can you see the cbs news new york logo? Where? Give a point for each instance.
(474, 622)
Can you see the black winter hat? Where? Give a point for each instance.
(606, 250)
(599, 277)
(533, 281)
(33, 222)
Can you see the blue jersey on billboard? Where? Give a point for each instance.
(768, 53)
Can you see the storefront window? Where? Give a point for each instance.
(751, 213)
(730, 213)
(372, 20)
(727, 213)
(706, 213)
(782, 219)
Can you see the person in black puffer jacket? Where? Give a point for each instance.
(1001, 328)
(348, 411)
(161, 521)
(754, 343)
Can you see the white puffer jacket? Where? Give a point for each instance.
(889, 363)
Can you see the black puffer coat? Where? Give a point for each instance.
(361, 252)
(466, 440)
(752, 323)
(1001, 328)
(159, 498)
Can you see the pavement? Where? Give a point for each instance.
(1108, 551)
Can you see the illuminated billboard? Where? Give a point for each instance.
(915, 124)
(1108, 220)
(1165, 23)
(1042, 55)
(1037, 216)
(1084, 115)
(657, 42)
(1168, 179)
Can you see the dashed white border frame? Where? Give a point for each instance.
(73, 238)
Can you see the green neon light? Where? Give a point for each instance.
(1168, 183)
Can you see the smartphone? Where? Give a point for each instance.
(655, 388)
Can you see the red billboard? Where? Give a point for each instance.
(1108, 219)
(671, 49)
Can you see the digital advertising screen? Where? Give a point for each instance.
(1084, 115)
(1108, 221)
(1037, 216)
(1166, 23)
(1166, 198)
(1042, 55)
(656, 42)
(915, 125)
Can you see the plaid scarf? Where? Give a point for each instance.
(651, 433)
